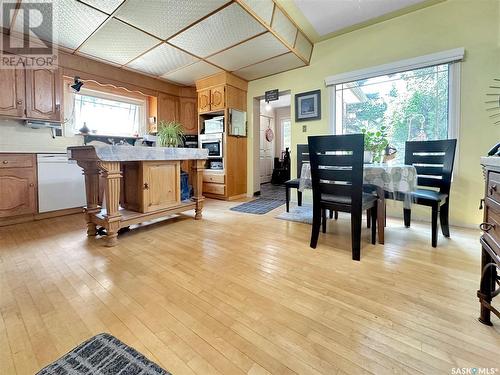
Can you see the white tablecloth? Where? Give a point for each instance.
(394, 178)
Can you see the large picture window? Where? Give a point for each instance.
(413, 104)
(108, 114)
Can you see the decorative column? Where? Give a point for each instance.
(91, 173)
(112, 177)
(197, 167)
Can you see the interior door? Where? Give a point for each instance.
(266, 150)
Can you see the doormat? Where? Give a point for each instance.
(103, 354)
(258, 206)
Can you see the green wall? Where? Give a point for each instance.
(472, 24)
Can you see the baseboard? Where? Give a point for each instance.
(39, 216)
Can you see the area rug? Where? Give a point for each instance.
(258, 206)
(300, 214)
(103, 355)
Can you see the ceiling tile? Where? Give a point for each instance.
(162, 59)
(219, 31)
(303, 46)
(107, 6)
(73, 23)
(191, 73)
(284, 27)
(167, 17)
(250, 52)
(262, 8)
(118, 42)
(271, 66)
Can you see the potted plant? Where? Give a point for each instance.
(375, 144)
(170, 134)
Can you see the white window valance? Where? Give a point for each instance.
(443, 57)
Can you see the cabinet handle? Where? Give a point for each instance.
(493, 188)
(5, 162)
(32, 184)
(485, 227)
(19, 102)
(481, 201)
(146, 186)
(58, 107)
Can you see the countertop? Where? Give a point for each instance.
(132, 153)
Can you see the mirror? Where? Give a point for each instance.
(237, 123)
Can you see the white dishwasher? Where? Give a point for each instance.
(61, 184)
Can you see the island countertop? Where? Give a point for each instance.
(131, 153)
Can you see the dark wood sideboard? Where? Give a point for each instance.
(490, 240)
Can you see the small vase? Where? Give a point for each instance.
(368, 157)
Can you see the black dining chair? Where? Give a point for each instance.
(433, 161)
(337, 183)
(302, 156)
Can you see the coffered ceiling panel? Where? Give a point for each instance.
(223, 29)
(73, 23)
(118, 43)
(284, 27)
(303, 46)
(262, 8)
(271, 66)
(107, 6)
(167, 17)
(161, 60)
(250, 52)
(189, 74)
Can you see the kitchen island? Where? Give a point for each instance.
(128, 185)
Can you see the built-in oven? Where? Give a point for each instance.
(213, 143)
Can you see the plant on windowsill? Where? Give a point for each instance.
(375, 144)
(170, 134)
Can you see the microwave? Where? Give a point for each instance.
(214, 125)
(213, 143)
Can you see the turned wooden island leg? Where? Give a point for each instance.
(91, 173)
(197, 167)
(112, 177)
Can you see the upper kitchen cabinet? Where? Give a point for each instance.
(213, 99)
(188, 116)
(31, 94)
(12, 86)
(168, 107)
(43, 94)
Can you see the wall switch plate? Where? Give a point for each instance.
(304, 128)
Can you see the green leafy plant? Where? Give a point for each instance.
(376, 142)
(170, 134)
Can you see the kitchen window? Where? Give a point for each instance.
(416, 104)
(109, 114)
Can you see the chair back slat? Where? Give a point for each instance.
(433, 161)
(302, 156)
(337, 166)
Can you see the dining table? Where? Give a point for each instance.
(399, 180)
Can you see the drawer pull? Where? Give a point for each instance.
(146, 186)
(493, 189)
(485, 227)
(32, 184)
(5, 162)
(481, 201)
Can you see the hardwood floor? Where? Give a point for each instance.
(237, 293)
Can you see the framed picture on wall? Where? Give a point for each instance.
(308, 106)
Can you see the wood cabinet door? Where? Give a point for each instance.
(161, 184)
(217, 98)
(188, 115)
(43, 94)
(168, 107)
(12, 82)
(204, 101)
(17, 191)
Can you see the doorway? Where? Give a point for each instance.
(273, 132)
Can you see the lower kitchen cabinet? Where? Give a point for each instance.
(17, 185)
